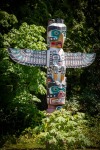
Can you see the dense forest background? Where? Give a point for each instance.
(23, 24)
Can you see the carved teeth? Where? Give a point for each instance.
(53, 39)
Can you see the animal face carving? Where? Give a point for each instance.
(56, 93)
(56, 34)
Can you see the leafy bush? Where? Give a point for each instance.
(63, 130)
(20, 85)
(94, 130)
(7, 21)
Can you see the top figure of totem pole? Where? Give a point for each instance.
(56, 61)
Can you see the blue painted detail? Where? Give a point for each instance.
(58, 107)
(55, 33)
(28, 57)
(56, 89)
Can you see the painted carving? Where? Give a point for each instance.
(56, 61)
(56, 81)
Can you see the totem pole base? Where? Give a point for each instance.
(51, 108)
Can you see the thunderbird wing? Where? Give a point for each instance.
(28, 57)
(78, 60)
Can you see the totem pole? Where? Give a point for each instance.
(56, 61)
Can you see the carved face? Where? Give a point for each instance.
(56, 91)
(56, 35)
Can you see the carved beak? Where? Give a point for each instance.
(59, 43)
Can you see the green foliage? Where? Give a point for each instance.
(22, 143)
(28, 36)
(72, 105)
(94, 130)
(41, 13)
(7, 21)
(21, 84)
(63, 130)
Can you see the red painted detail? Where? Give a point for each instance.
(61, 94)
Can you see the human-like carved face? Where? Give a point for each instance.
(56, 35)
(59, 92)
(56, 92)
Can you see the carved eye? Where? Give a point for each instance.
(55, 33)
(54, 89)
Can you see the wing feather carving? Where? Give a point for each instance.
(78, 60)
(28, 57)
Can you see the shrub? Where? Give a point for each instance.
(63, 130)
(94, 130)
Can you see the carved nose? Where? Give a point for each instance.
(61, 94)
(61, 39)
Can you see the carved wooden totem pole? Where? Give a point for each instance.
(56, 61)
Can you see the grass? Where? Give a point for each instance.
(24, 144)
(20, 146)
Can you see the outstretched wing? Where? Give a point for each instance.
(78, 60)
(28, 57)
